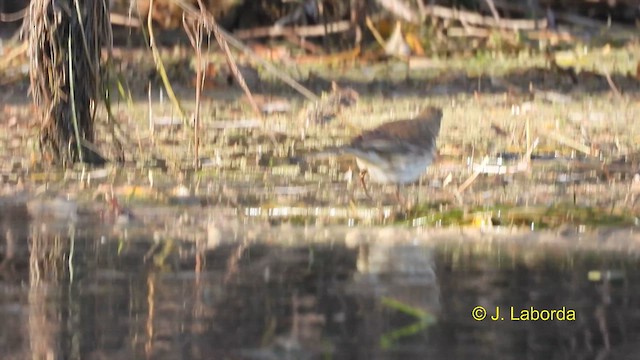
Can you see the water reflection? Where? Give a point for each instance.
(86, 292)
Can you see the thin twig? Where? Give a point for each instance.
(472, 178)
(72, 93)
(124, 20)
(116, 19)
(494, 12)
(194, 33)
(303, 31)
(564, 140)
(477, 19)
(223, 34)
(399, 9)
(612, 85)
(161, 70)
(212, 26)
(374, 32)
(14, 16)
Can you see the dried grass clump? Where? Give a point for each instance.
(65, 42)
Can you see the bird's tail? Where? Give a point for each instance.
(326, 153)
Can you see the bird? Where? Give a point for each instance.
(396, 152)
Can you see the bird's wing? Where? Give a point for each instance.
(424, 125)
(381, 143)
(421, 131)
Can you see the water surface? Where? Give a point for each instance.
(249, 290)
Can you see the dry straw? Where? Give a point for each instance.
(66, 38)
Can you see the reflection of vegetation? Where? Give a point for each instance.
(424, 318)
(50, 263)
(166, 248)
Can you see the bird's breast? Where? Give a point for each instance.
(400, 169)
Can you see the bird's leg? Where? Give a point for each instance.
(362, 175)
(401, 200)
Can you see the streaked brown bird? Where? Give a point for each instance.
(397, 152)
